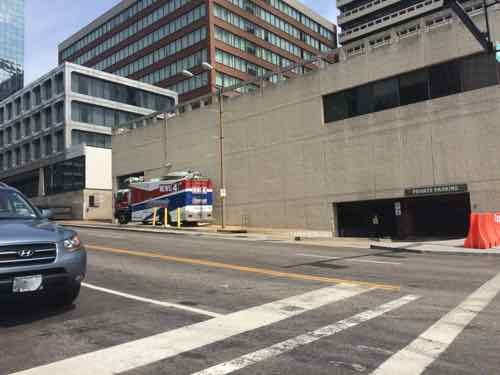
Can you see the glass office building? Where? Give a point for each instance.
(11, 46)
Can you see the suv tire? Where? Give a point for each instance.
(68, 296)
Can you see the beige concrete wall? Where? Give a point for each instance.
(73, 199)
(78, 201)
(98, 168)
(103, 209)
(285, 166)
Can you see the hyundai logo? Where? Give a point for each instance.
(25, 253)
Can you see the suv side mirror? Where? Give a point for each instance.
(47, 214)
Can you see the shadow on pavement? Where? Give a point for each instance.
(326, 263)
(16, 312)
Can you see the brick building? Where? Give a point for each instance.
(155, 40)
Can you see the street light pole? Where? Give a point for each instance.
(221, 157)
(220, 96)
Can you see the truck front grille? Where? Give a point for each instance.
(27, 254)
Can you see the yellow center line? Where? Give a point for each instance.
(255, 270)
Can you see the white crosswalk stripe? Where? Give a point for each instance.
(411, 360)
(131, 355)
(308, 338)
(152, 301)
(422, 352)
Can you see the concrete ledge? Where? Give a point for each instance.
(229, 234)
(232, 231)
(440, 250)
(395, 249)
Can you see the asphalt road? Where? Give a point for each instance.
(175, 304)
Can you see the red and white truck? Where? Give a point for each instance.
(188, 194)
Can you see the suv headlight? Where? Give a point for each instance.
(73, 243)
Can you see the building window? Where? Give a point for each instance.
(479, 71)
(385, 94)
(47, 143)
(60, 141)
(445, 79)
(47, 90)
(1, 139)
(9, 135)
(27, 127)
(159, 54)
(38, 122)
(453, 77)
(17, 155)
(59, 112)
(91, 114)
(8, 155)
(9, 111)
(27, 183)
(414, 87)
(68, 175)
(27, 101)
(38, 95)
(47, 114)
(99, 88)
(17, 106)
(361, 100)
(37, 149)
(178, 66)
(59, 83)
(79, 137)
(17, 131)
(27, 153)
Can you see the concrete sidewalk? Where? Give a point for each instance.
(304, 237)
(455, 247)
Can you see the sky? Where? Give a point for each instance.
(49, 22)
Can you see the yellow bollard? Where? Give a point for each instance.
(165, 218)
(178, 218)
(154, 216)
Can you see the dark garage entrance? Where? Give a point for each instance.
(420, 217)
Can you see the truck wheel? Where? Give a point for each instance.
(123, 219)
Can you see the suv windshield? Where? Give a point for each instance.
(14, 206)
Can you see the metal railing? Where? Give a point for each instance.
(252, 85)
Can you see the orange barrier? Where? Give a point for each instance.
(496, 224)
(484, 232)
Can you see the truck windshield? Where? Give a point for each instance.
(14, 206)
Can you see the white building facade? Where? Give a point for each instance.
(55, 136)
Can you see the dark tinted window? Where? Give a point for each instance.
(414, 87)
(336, 107)
(479, 71)
(79, 137)
(68, 175)
(385, 94)
(27, 183)
(120, 93)
(445, 79)
(434, 82)
(360, 101)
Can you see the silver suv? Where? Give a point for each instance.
(37, 257)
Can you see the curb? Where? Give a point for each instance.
(169, 231)
(396, 249)
(457, 252)
(141, 230)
